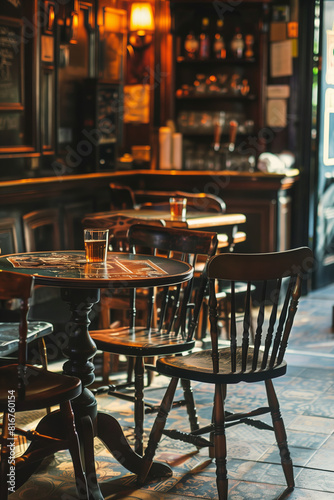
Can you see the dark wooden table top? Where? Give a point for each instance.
(194, 219)
(69, 269)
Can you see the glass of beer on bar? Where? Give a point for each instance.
(178, 208)
(96, 244)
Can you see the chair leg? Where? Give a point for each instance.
(43, 352)
(74, 449)
(220, 442)
(156, 432)
(4, 465)
(44, 359)
(280, 434)
(130, 369)
(150, 373)
(190, 404)
(139, 404)
(203, 323)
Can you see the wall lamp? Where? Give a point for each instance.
(50, 18)
(70, 22)
(141, 25)
(71, 27)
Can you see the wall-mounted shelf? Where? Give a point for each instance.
(229, 97)
(232, 87)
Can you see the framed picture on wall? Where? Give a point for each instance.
(11, 64)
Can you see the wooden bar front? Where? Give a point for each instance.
(265, 199)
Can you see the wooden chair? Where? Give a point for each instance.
(121, 197)
(42, 230)
(42, 233)
(170, 325)
(26, 387)
(201, 202)
(9, 342)
(11, 241)
(240, 361)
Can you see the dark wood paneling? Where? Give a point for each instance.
(256, 195)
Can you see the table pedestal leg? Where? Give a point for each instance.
(79, 351)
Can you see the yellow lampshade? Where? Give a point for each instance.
(141, 18)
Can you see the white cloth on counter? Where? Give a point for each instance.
(276, 164)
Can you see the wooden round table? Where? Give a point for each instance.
(80, 285)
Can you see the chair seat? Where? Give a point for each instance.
(44, 389)
(139, 342)
(198, 366)
(9, 341)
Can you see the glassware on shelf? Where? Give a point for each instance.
(204, 40)
(200, 86)
(235, 84)
(219, 49)
(223, 83)
(212, 84)
(237, 44)
(244, 89)
(249, 42)
(191, 46)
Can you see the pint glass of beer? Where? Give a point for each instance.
(96, 244)
(178, 208)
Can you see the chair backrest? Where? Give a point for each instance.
(121, 197)
(278, 277)
(42, 230)
(18, 286)
(118, 226)
(201, 202)
(185, 245)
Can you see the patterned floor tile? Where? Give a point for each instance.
(316, 480)
(323, 460)
(312, 424)
(300, 456)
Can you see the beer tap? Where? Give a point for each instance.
(230, 147)
(232, 135)
(218, 127)
(217, 132)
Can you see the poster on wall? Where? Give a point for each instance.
(328, 137)
(330, 58)
(11, 64)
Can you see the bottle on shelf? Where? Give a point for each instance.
(237, 44)
(191, 46)
(219, 49)
(249, 42)
(204, 40)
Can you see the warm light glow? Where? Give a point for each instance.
(51, 17)
(141, 18)
(75, 21)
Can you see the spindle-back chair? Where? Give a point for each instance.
(279, 277)
(172, 312)
(25, 387)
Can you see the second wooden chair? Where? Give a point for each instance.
(172, 313)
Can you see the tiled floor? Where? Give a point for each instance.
(306, 396)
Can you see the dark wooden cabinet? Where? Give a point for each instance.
(100, 124)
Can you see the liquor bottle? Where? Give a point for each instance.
(191, 45)
(249, 42)
(237, 44)
(219, 49)
(204, 40)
